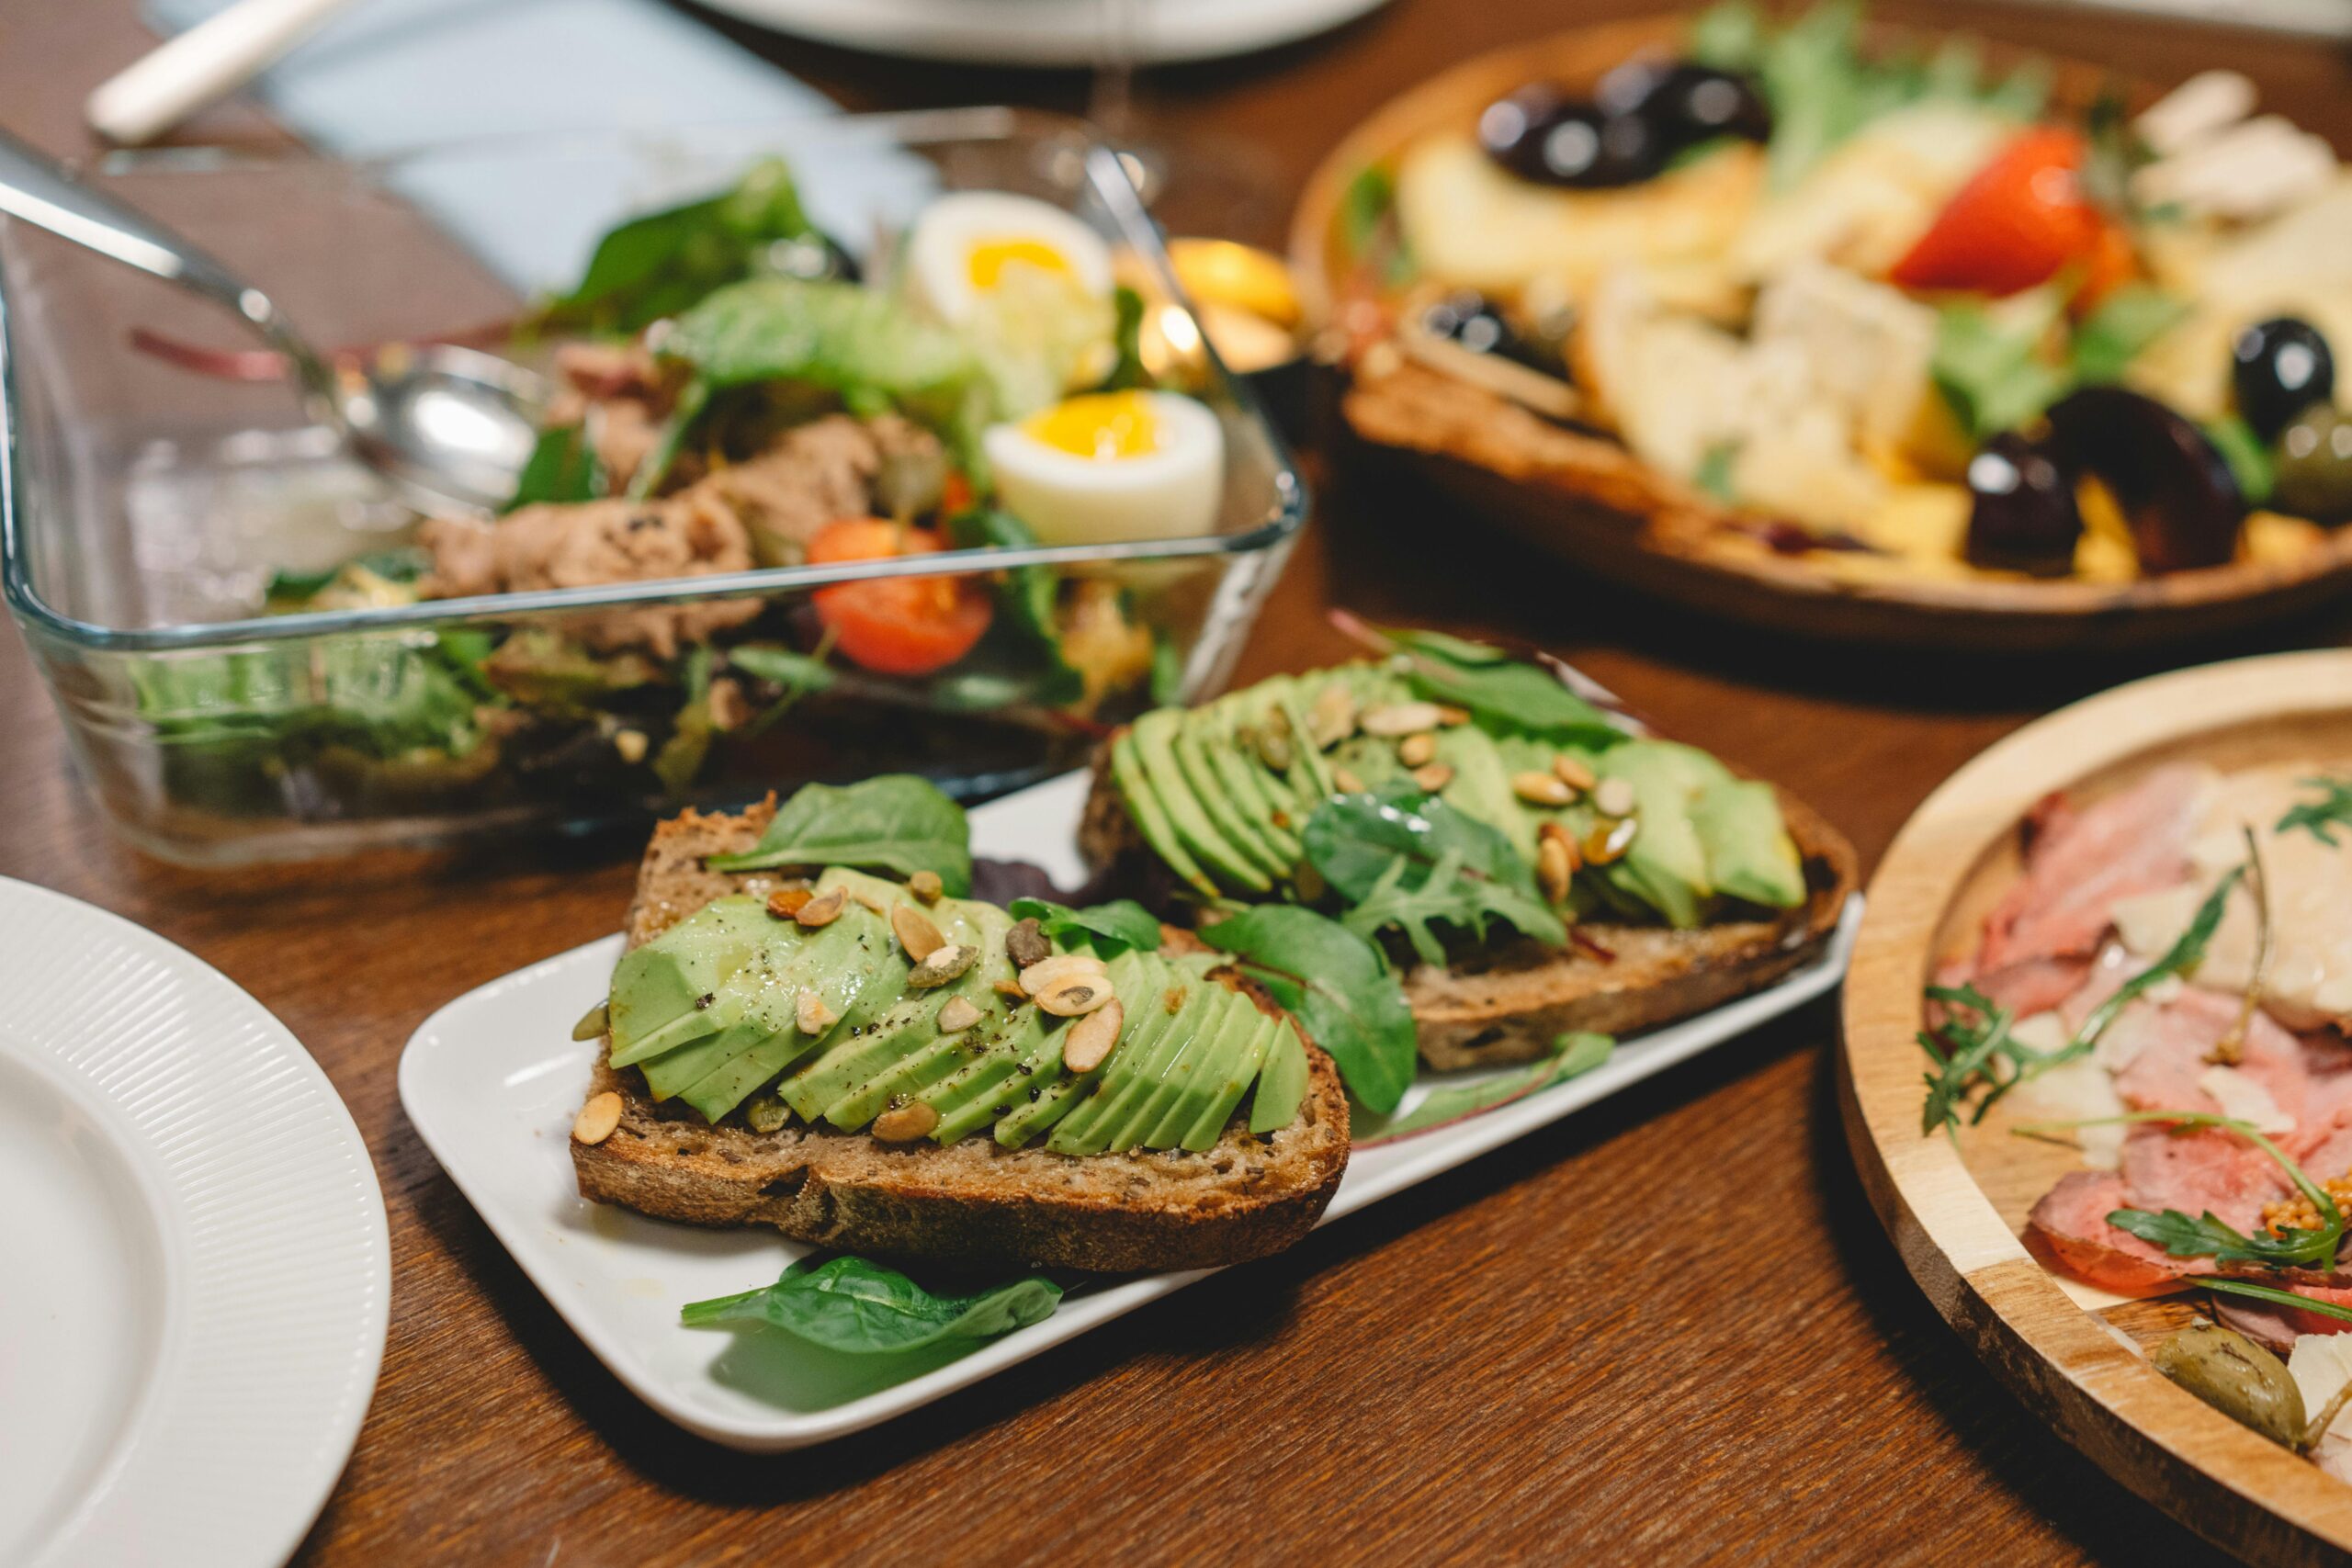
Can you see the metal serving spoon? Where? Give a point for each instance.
(445, 426)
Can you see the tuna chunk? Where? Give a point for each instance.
(2080, 862)
(811, 475)
(595, 543)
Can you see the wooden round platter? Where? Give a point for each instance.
(1642, 528)
(2076, 1356)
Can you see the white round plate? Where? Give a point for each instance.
(192, 1242)
(1047, 32)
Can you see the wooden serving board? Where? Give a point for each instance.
(1782, 594)
(2074, 1355)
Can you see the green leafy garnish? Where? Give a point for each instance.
(2122, 324)
(1127, 335)
(1167, 670)
(864, 1308)
(1404, 860)
(1572, 1055)
(2278, 1297)
(1032, 594)
(1110, 929)
(403, 564)
(1989, 366)
(1338, 987)
(1714, 473)
(1368, 236)
(2320, 818)
(664, 262)
(1974, 1056)
(1503, 693)
(563, 467)
(2249, 459)
(797, 674)
(896, 822)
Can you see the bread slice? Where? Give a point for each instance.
(1510, 1002)
(971, 1203)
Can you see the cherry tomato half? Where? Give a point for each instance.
(2017, 220)
(897, 626)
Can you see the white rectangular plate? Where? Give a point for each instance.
(492, 1082)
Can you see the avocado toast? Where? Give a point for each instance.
(871, 1066)
(1529, 863)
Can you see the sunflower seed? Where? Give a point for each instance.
(905, 1123)
(1541, 789)
(1571, 772)
(918, 933)
(1392, 720)
(1417, 750)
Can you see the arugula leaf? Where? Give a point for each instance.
(563, 467)
(1504, 694)
(2248, 458)
(2185, 954)
(663, 263)
(1405, 859)
(2126, 321)
(782, 666)
(1367, 236)
(897, 821)
(1127, 335)
(1989, 368)
(1338, 987)
(1572, 1055)
(2278, 1297)
(1032, 594)
(403, 564)
(2210, 1236)
(865, 1308)
(2320, 818)
(1109, 928)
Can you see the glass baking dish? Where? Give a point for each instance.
(149, 499)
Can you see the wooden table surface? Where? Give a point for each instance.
(1668, 1328)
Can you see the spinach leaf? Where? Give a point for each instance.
(1108, 928)
(897, 821)
(1339, 987)
(403, 564)
(2113, 335)
(795, 674)
(864, 1308)
(2320, 817)
(1031, 593)
(563, 467)
(1405, 859)
(1573, 1055)
(1989, 368)
(663, 263)
(1502, 693)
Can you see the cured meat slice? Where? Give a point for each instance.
(2199, 1170)
(2069, 1228)
(2275, 1328)
(2079, 862)
(2166, 1050)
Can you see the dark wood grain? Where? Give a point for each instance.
(1668, 1329)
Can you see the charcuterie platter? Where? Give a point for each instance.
(2107, 914)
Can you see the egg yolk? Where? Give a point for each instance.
(986, 260)
(1100, 424)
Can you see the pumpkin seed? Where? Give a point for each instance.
(1091, 1038)
(946, 962)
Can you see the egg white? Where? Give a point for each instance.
(939, 247)
(1171, 492)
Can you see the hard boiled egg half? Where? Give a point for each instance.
(970, 246)
(1109, 466)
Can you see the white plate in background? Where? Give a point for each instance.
(493, 1080)
(194, 1270)
(1049, 32)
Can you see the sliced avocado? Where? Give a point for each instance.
(1293, 697)
(1191, 1079)
(1665, 867)
(1294, 792)
(904, 1078)
(1245, 781)
(673, 1072)
(975, 1083)
(1192, 743)
(1749, 852)
(1004, 1094)
(860, 1048)
(1155, 739)
(1480, 787)
(1208, 1126)
(1282, 1082)
(1150, 818)
(1057, 1092)
(1129, 1076)
(668, 991)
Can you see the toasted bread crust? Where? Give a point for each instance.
(971, 1203)
(1508, 1004)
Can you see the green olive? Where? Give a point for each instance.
(2236, 1377)
(2315, 466)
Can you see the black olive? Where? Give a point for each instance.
(1685, 103)
(2023, 517)
(2315, 466)
(2280, 367)
(1540, 136)
(1469, 319)
(2173, 484)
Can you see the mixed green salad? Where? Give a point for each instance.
(734, 391)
